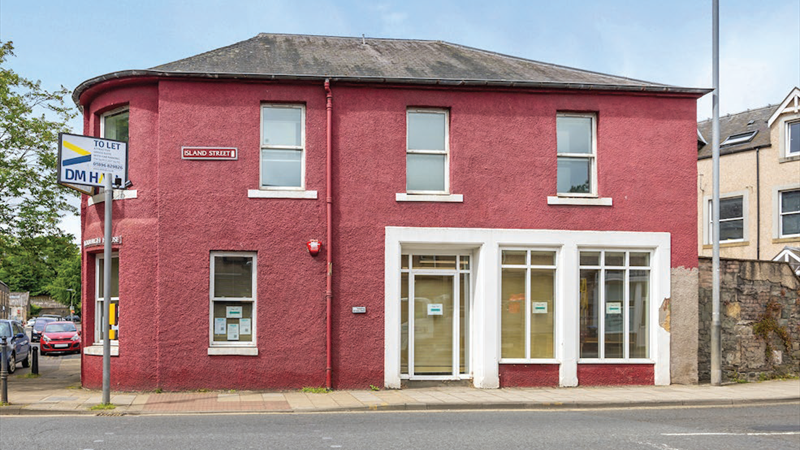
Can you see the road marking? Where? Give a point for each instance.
(775, 433)
(661, 446)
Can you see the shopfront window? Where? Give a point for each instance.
(233, 299)
(100, 295)
(528, 304)
(614, 304)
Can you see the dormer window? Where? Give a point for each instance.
(739, 138)
(793, 138)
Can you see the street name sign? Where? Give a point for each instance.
(85, 160)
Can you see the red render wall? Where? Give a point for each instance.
(503, 148)
(135, 221)
(502, 160)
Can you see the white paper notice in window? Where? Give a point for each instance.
(219, 325)
(435, 309)
(614, 308)
(233, 312)
(244, 326)
(233, 331)
(538, 307)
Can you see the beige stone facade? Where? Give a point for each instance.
(760, 172)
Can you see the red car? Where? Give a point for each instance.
(60, 337)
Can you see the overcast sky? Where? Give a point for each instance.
(65, 42)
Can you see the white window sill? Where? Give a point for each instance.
(240, 351)
(118, 194)
(97, 349)
(580, 201)
(444, 198)
(258, 193)
(529, 361)
(789, 158)
(615, 361)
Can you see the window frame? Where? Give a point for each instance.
(114, 112)
(445, 152)
(301, 148)
(708, 213)
(651, 288)
(593, 183)
(781, 213)
(788, 153)
(556, 309)
(100, 298)
(253, 301)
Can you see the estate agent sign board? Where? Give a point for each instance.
(84, 160)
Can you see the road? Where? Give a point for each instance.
(770, 427)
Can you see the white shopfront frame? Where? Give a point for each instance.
(485, 246)
(456, 274)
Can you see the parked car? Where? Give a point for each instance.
(60, 337)
(38, 326)
(31, 321)
(53, 316)
(73, 318)
(19, 347)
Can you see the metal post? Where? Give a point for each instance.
(35, 360)
(3, 371)
(107, 292)
(716, 348)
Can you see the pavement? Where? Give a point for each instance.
(57, 390)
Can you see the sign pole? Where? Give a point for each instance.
(107, 292)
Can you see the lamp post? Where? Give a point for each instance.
(71, 292)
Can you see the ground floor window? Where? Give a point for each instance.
(100, 294)
(527, 304)
(614, 304)
(233, 299)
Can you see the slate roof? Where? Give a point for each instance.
(732, 124)
(355, 59)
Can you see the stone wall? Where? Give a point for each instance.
(746, 287)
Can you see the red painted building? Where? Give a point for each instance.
(482, 217)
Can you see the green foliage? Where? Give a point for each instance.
(42, 265)
(315, 390)
(31, 117)
(103, 406)
(767, 324)
(32, 248)
(66, 286)
(372, 387)
(35, 310)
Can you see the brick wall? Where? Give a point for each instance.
(745, 289)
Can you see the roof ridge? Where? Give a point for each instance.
(559, 66)
(751, 110)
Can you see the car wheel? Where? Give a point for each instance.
(27, 361)
(12, 363)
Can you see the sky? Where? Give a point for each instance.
(65, 42)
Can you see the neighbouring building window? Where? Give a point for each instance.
(731, 219)
(793, 138)
(233, 299)
(614, 304)
(282, 146)
(427, 165)
(100, 296)
(789, 220)
(528, 304)
(114, 124)
(577, 154)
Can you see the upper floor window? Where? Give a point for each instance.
(427, 165)
(793, 138)
(114, 124)
(789, 221)
(731, 219)
(282, 146)
(577, 154)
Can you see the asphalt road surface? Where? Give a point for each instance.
(771, 427)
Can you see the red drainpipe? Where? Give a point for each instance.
(329, 252)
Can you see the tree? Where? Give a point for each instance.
(66, 286)
(31, 202)
(34, 264)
